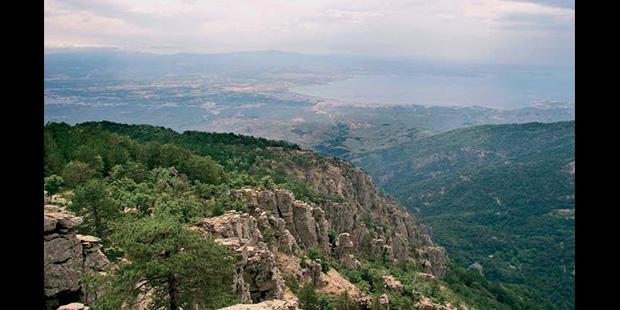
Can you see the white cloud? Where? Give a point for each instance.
(478, 30)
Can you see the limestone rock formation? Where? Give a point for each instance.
(305, 222)
(257, 277)
(363, 211)
(343, 250)
(275, 304)
(275, 233)
(232, 224)
(384, 300)
(313, 272)
(427, 304)
(67, 256)
(73, 306)
(425, 276)
(433, 259)
(392, 283)
(393, 231)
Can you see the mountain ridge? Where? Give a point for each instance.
(275, 201)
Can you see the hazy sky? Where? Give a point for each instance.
(490, 31)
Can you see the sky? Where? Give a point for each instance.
(482, 31)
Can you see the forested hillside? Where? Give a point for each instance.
(151, 195)
(499, 197)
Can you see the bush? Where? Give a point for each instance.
(325, 267)
(345, 302)
(309, 299)
(77, 172)
(314, 253)
(52, 184)
(332, 236)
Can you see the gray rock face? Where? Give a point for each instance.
(257, 277)
(433, 259)
(306, 223)
(67, 256)
(476, 266)
(73, 306)
(275, 234)
(261, 274)
(265, 305)
(232, 225)
(313, 272)
(343, 250)
(364, 213)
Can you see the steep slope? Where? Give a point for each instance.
(499, 197)
(297, 223)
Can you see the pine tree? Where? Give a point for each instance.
(179, 267)
(92, 201)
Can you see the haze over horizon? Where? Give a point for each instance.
(487, 31)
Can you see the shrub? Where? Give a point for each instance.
(52, 184)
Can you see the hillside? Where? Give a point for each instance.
(500, 197)
(144, 214)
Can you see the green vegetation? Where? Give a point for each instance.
(489, 193)
(310, 299)
(52, 184)
(369, 278)
(344, 302)
(140, 187)
(178, 267)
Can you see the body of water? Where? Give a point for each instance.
(505, 90)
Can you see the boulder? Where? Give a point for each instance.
(57, 218)
(433, 260)
(392, 283)
(427, 304)
(425, 276)
(476, 266)
(275, 304)
(67, 256)
(384, 300)
(73, 306)
(232, 224)
(344, 245)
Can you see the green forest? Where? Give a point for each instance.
(139, 187)
(492, 196)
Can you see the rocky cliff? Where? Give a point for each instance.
(377, 226)
(273, 236)
(268, 253)
(68, 256)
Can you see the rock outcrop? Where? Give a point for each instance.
(427, 304)
(67, 257)
(73, 306)
(363, 212)
(343, 251)
(305, 222)
(392, 233)
(257, 277)
(276, 235)
(433, 259)
(392, 283)
(265, 305)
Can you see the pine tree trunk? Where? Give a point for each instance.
(172, 294)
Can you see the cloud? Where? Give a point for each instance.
(567, 4)
(471, 30)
